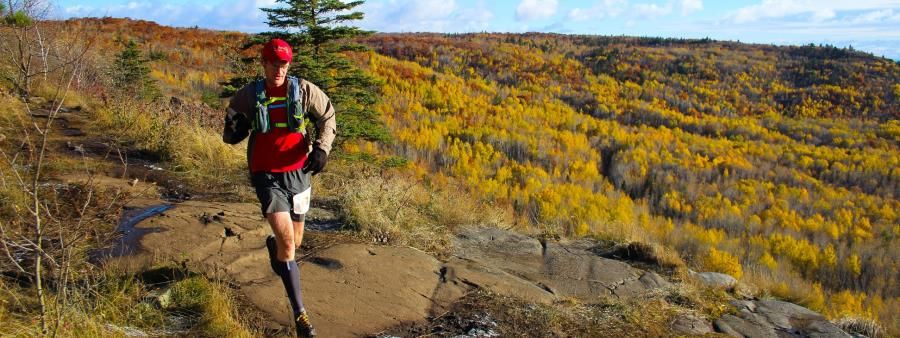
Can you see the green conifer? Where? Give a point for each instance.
(131, 75)
(316, 30)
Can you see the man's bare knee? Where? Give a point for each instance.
(282, 227)
(285, 249)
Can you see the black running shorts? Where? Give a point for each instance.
(276, 191)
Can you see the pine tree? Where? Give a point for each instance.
(132, 74)
(316, 31)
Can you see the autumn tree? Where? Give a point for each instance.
(22, 43)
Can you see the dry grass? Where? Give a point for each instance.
(205, 161)
(101, 302)
(486, 313)
(72, 99)
(213, 304)
(863, 326)
(698, 298)
(196, 154)
(12, 122)
(789, 286)
(390, 206)
(116, 304)
(652, 255)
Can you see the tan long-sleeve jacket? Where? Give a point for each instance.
(242, 109)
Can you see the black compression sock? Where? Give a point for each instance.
(290, 276)
(272, 248)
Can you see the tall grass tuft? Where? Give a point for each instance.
(115, 304)
(391, 206)
(217, 312)
(202, 158)
(861, 326)
(193, 150)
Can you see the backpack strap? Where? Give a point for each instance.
(261, 122)
(296, 120)
(296, 115)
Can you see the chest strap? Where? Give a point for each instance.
(296, 117)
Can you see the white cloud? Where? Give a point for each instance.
(476, 18)
(601, 9)
(241, 15)
(265, 3)
(823, 14)
(875, 16)
(652, 10)
(536, 9)
(690, 6)
(422, 10)
(426, 16)
(818, 10)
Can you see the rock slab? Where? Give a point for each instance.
(564, 269)
(772, 318)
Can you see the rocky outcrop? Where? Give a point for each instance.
(354, 289)
(772, 318)
(564, 269)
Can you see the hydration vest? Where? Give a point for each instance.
(293, 103)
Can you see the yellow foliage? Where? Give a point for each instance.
(846, 303)
(854, 264)
(582, 230)
(721, 261)
(829, 257)
(710, 236)
(815, 299)
(711, 166)
(768, 261)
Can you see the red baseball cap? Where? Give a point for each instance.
(277, 50)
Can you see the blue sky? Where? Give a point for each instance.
(869, 25)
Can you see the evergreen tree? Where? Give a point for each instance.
(132, 73)
(316, 31)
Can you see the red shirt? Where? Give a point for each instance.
(279, 150)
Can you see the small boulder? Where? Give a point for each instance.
(715, 279)
(161, 298)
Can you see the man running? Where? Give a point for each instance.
(274, 112)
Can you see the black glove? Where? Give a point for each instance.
(315, 161)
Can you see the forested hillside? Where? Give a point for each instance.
(777, 165)
(187, 62)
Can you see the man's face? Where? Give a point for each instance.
(276, 72)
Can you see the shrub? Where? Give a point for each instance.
(390, 207)
(17, 19)
(722, 261)
(218, 315)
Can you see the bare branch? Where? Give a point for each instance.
(6, 249)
